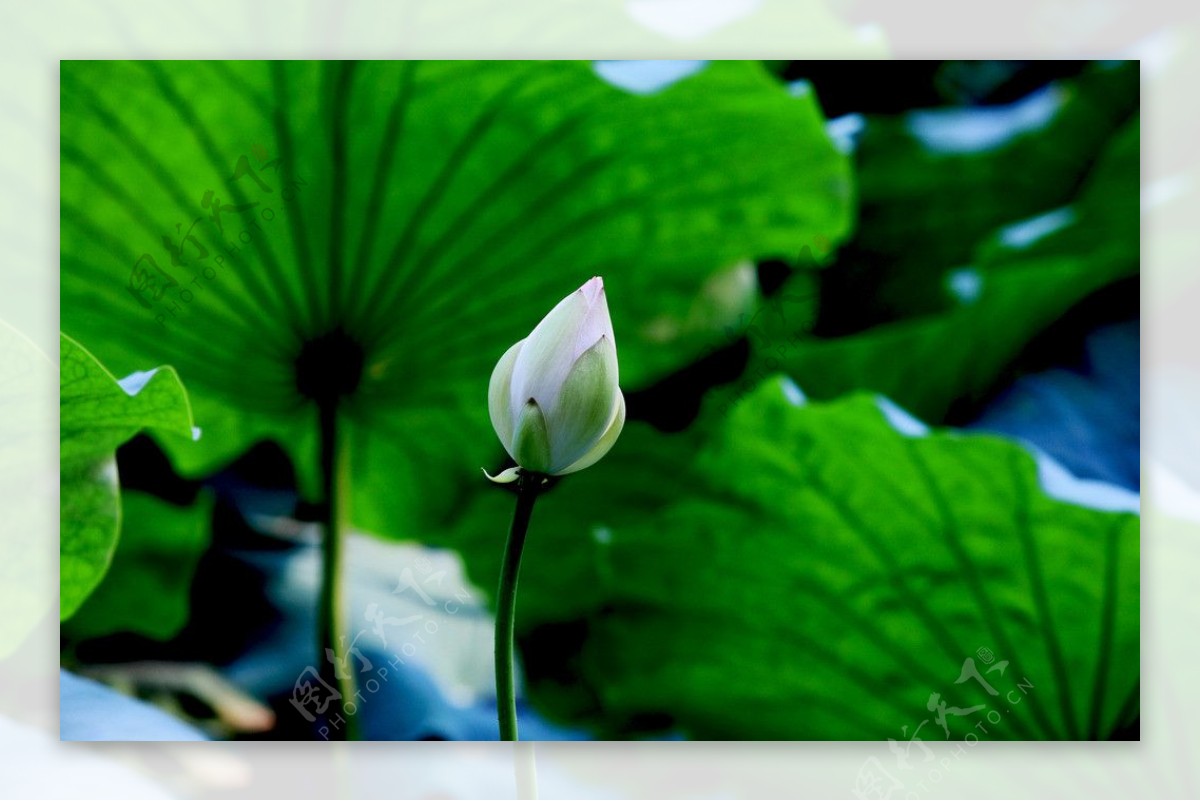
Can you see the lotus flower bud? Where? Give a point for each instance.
(553, 397)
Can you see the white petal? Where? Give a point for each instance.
(499, 396)
(585, 405)
(605, 443)
(531, 443)
(596, 322)
(592, 288)
(546, 358)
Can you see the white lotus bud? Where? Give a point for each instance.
(554, 396)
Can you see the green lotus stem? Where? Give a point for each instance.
(506, 603)
(331, 612)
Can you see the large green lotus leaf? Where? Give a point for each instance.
(809, 571)
(1023, 278)
(932, 183)
(28, 484)
(147, 589)
(415, 219)
(96, 415)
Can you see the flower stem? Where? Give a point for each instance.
(331, 611)
(506, 604)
